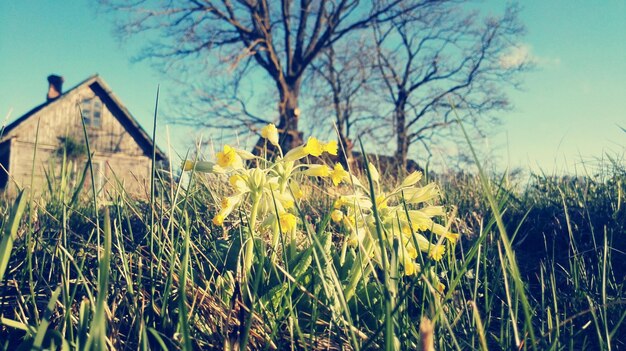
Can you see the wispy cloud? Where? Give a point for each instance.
(516, 56)
(522, 54)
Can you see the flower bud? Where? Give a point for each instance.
(336, 216)
(318, 171)
(270, 133)
(256, 180)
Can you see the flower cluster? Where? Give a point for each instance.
(268, 187)
(268, 191)
(405, 214)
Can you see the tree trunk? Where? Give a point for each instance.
(345, 150)
(289, 113)
(402, 141)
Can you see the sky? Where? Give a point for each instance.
(567, 115)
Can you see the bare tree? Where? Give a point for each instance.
(432, 59)
(225, 104)
(339, 86)
(282, 37)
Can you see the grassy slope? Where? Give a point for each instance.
(567, 235)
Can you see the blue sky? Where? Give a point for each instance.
(567, 114)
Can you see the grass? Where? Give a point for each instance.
(540, 266)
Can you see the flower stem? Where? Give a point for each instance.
(249, 249)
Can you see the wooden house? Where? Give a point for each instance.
(122, 150)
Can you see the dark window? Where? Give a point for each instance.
(5, 153)
(92, 112)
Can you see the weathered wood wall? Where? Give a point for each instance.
(116, 154)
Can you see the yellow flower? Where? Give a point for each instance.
(357, 236)
(409, 267)
(411, 251)
(436, 252)
(338, 174)
(406, 230)
(441, 230)
(238, 183)
(257, 179)
(318, 171)
(313, 147)
(350, 220)
(200, 166)
(287, 222)
(373, 172)
(411, 179)
(246, 155)
(295, 154)
(381, 201)
(187, 165)
(336, 216)
(226, 202)
(432, 211)
(407, 255)
(270, 133)
(287, 204)
(417, 195)
(420, 221)
(284, 200)
(338, 203)
(218, 220)
(227, 158)
(331, 147)
(234, 179)
(296, 190)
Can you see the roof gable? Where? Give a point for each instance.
(118, 109)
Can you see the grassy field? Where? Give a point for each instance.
(312, 258)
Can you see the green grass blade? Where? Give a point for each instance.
(183, 322)
(97, 336)
(510, 255)
(10, 233)
(387, 287)
(45, 322)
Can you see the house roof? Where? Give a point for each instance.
(99, 86)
